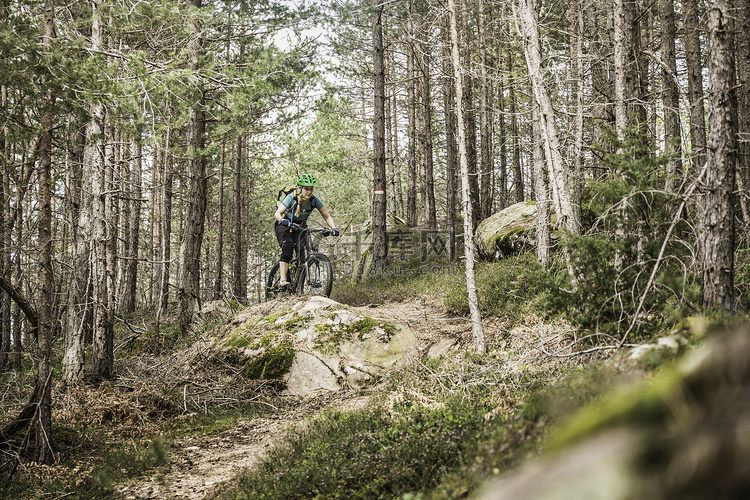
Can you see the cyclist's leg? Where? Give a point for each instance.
(286, 242)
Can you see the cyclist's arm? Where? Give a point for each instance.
(280, 212)
(327, 217)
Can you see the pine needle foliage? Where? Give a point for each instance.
(614, 259)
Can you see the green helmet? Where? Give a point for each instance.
(307, 180)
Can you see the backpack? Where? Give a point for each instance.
(291, 188)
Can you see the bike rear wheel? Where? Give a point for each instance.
(272, 283)
(317, 276)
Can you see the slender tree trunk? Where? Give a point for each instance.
(470, 120)
(5, 230)
(166, 225)
(626, 72)
(558, 172)
(695, 86)
(425, 133)
(576, 48)
(517, 174)
(411, 110)
(743, 77)
(131, 264)
(195, 213)
(43, 448)
(451, 146)
(541, 191)
(239, 284)
(219, 281)
(469, 247)
(486, 120)
(502, 134)
(718, 260)
(94, 157)
(671, 95)
(379, 243)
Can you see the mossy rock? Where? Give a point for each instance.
(510, 231)
(273, 363)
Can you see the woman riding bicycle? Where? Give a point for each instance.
(296, 209)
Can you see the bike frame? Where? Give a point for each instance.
(305, 247)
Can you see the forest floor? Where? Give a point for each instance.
(200, 466)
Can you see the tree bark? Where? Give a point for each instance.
(671, 96)
(239, 283)
(412, 218)
(195, 212)
(379, 243)
(695, 86)
(558, 172)
(469, 247)
(486, 118)
(469, 119)
(718, 260)
(541, 191)
(43, 447)
(6, 268)
(219, 278)
(425, 132)
(131, 263)
(743, 78)
(94, 161)
(451, 145)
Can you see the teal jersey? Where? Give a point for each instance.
(304, 210)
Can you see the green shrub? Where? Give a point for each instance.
(366, 455)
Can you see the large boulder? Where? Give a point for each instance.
(315, 346)
(682, 434)
(510, 231)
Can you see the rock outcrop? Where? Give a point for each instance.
(316, 345)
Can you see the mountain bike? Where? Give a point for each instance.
(310, 271)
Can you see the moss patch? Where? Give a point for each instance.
(272, 364)
(331, 336)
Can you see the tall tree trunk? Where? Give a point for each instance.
(5, 230)
(743, 104)
(239, 283)
(379, 243)
(411, 110)
(470, 120)
(599, 50)
(718, 260)
(425, 133)
(94, 158)
(469, 247)
(166, 224)
(195, 214)
(131, 263)
(576, 49)
(502, 134)
(43, 448)
(219, 280)
(627, 80)
(486, 120)
(517, 174)
(451, 145)
(77, 315)
(558, 171)
(541, 190)
(671, 95)
(695, 86)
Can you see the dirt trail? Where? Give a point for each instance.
(199, 466)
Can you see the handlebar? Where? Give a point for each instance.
(325, 232)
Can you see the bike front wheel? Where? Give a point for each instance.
(317, 276)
